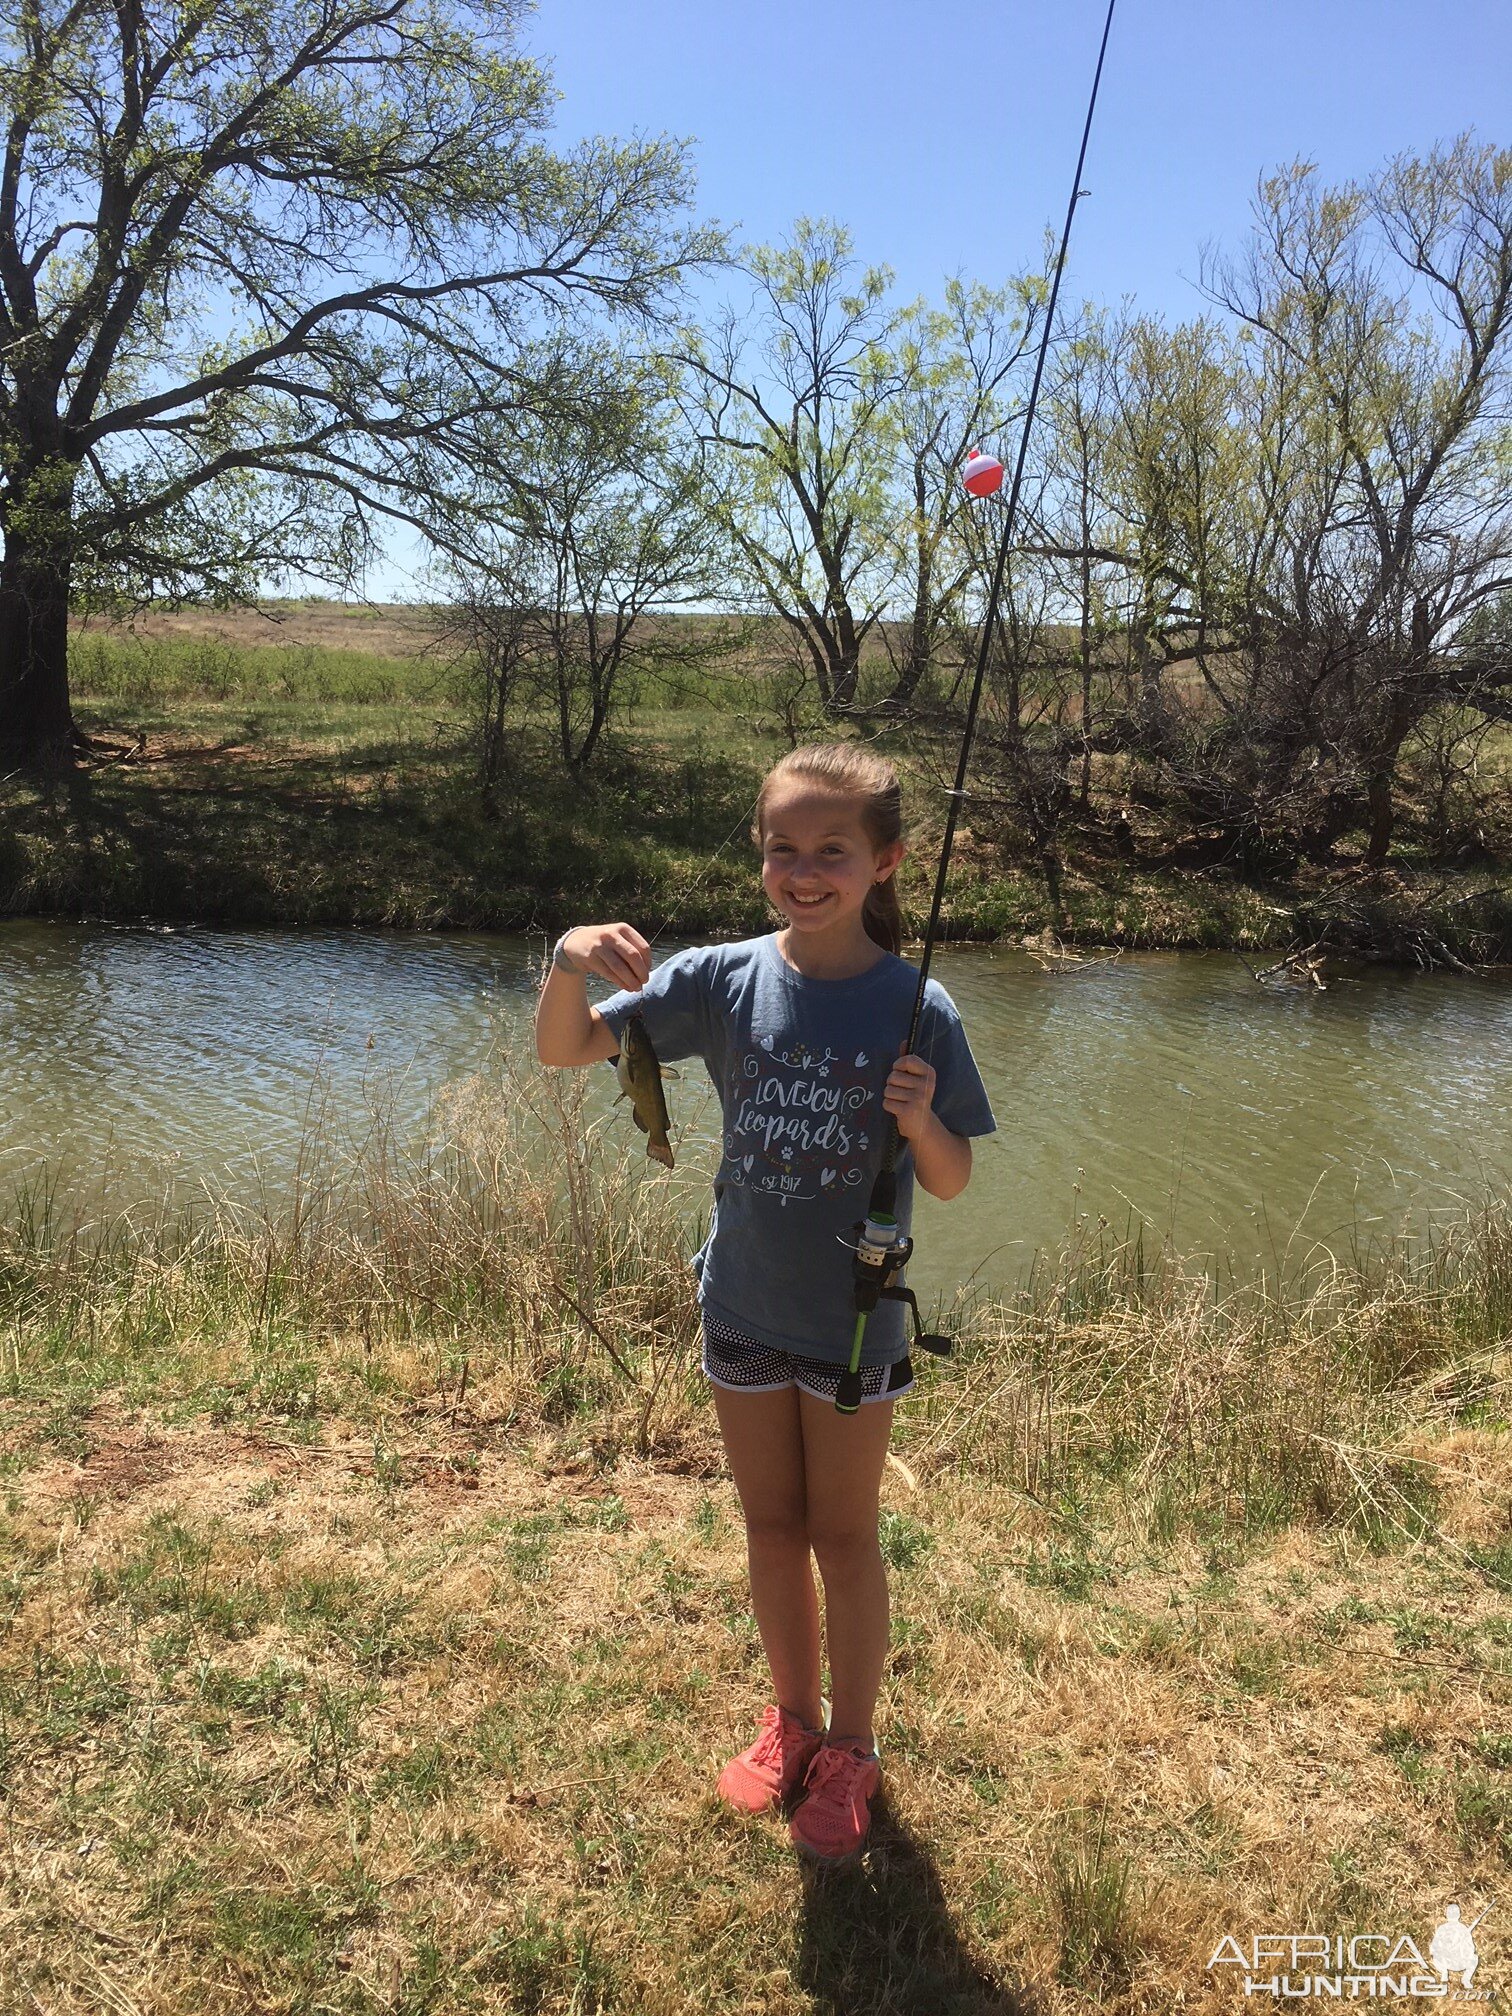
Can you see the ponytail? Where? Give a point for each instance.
(882, 914)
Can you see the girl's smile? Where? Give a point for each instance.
(818, 863)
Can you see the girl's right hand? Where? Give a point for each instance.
(616, 952)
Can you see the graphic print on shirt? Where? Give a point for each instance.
(796, 1125)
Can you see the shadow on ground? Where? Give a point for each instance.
(879, 1938)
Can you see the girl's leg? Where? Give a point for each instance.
(843, 1456)
(764, 1441)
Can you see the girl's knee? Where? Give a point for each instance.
(844, 1547)
(776, 1526)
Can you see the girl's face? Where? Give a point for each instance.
(817, 859)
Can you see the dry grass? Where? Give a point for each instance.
(372, 1637)
(399, 629)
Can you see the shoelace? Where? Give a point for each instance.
(835, 1761)
(768, 1747)
(768, 1744)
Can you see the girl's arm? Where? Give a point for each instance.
(942, 1160)
(567, 1030)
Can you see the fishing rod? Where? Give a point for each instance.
(880, 1255)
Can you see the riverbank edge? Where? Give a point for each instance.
(273, 838)
(1401, 919)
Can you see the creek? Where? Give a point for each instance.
(1252, 1125)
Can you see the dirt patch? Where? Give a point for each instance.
(127, 1458)
(460, 1464)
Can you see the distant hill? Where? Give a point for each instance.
(400, 629)
(393, 629)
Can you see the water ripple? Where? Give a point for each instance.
(1163, 1088)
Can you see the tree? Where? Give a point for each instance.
(952, 367)
(806, 460)
(1306, 504)
(486, 636)
(1392, 304)
(603, 529)
(265, 271)
(1071, 529)
(1030, 736)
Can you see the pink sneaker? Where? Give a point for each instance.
(772, 1769)
(832, 1821)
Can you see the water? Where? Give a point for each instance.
(1243, 1122)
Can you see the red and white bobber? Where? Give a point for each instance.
(983, 474)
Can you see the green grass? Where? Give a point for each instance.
(334, 782)
(1093, 1889)
(156, 677)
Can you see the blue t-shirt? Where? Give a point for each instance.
(799, 1066)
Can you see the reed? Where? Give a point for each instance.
(522, 1258)
(1237, 1412)
(516, 1257)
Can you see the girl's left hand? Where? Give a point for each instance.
(909, 1095)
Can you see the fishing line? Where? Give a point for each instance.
(984, 650)
(880, 1253)
(741, 827)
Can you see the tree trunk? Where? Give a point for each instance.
(1085, 648)
(844, 671)
(844, 646)
(916, 652)
(36, 722)
(1408, 707)
(1381, 804)
(563, 700)
(598, 716)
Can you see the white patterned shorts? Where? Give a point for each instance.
(743, 1364)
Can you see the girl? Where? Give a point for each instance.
(803, 1034)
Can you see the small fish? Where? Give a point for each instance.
(641, 1082)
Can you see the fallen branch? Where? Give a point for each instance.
(1300, 962)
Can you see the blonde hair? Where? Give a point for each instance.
(844, 768)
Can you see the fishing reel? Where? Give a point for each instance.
(879, 1256)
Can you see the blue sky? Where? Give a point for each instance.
(944, 135)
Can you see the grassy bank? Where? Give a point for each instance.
(330, 778)
(375, 1616)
